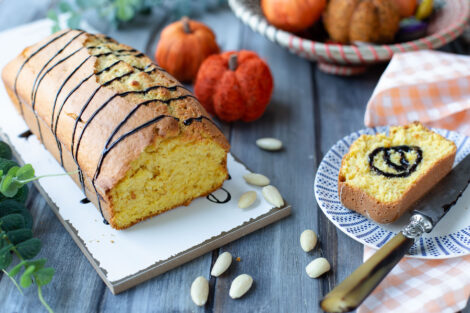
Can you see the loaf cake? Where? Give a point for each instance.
(139, 140)
(382, 176)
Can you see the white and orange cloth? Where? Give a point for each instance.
(433, 88)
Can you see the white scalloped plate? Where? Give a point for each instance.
(450, 238)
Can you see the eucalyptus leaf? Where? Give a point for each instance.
(74, 21)
(125, 12)
(26, 279)
(5, 257)
(64, 7)
(52, 14)
(44, 275)
(12, 222)
(19, 235)
(10, 206)
(30, 248)
(9, 186)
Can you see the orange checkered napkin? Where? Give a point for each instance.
(429, 86)
(434, 88)
(421, 286)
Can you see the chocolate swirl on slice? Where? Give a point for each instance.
(404, 169)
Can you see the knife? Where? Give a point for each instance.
(349, 294)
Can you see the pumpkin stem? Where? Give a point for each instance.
(233, 62)
(185, 21)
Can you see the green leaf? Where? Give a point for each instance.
(19, 235)
(21, 195)
(12, 221)
(16, 269)
(39, 263)
(55, 28)
(30, 248)
(125, 12)
(6, 164)
(5, 257)
(52, 15)
(5, 151)
(64, 7)
(10, 206)
(44, 275)
(25, 172)
(8, 186)
(74, 21)
(26, 280)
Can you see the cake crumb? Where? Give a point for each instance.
(112, 241)
(238, 259)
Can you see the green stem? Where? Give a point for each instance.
(43, 176)
(14, 282)
(44, 303)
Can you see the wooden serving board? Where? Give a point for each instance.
(126, 258)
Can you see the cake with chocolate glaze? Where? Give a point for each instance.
(382, 175)
(141, 142)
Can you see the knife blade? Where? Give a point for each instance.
(428, 211)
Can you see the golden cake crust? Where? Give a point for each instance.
(117, 162)
(358, 200)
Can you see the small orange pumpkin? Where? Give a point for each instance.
(234, 86)
(374, 21)
(292, 15)
(183, 46)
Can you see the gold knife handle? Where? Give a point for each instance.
(348, 295)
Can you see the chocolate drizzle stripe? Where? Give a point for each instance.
(15, 90)
(107, 149)
(38, 78)
(404, 169)
(110, 144)
(190, 120)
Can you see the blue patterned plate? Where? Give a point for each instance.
(450, 238)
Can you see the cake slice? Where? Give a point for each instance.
(382, 176)
(140, 140)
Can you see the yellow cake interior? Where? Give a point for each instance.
(167, 174)
(357, 172)
(164, 177)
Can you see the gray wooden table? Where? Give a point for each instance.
(309, 112)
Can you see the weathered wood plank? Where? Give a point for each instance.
(339, 111)
(273, 255)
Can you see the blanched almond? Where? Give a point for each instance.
(317, 267)
(221, 264)
(256, 179)
(308, 240)
(247, 199)
(240, 285)
(270, 144)
(272, 195)
(200, 291)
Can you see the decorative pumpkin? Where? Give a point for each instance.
(234, 86)
(406, 8)
(375, 21)
(183, 46)
(292, 15)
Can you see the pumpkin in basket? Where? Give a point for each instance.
(183, 46)
(234, 86)
(375, 21)
(292, 15)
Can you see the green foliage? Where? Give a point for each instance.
(16, 237)
(117, 12)
(5, 151)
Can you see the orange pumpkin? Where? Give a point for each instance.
(406, 7)
(292, 15)
(374, 21)
(183, 46)
(234, 86)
